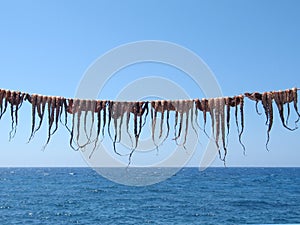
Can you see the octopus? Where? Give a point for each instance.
(204, 108)
(100, 110)
(239, 101)
(281, 98)
(83, 106)
(255, 96)
(115, 112)
(55, 107)
(183, 108)
(220, 112)
(138, 109)
(216, 109)
(163, 107)
(15, 99)
(73, 105)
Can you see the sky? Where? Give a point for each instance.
(46, 47)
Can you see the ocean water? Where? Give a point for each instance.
(214, 196)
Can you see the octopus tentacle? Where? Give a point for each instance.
(135, 123)
(92, 109)
(211, 106)
(110, 110)
(167, 119)
(40, 111)
(241, 97)
(104, 105)
(193, 113)
(163, 108)
(295, 100)
(140, 114)
(33, 101)
(98, 111)
(198, 107)
(14, 102)
(51, 101)
(222, 103)
(52, 115)
(205, 109)
(265, 106)
(145, 109)
(136, 113)
(180, 109)
(187, 106)
(2, 97)
(236, 104)
(65, 107)
(279, 104)
(122, 114)
(270, 109)
(92, 112)
(6, 99)
(115, 114)
(128, 110)
(81, 108)
(57, 109)
(154, 110)
(176, 118)
(86, 112)
(228, 102)
(19, 102)
(99, 107)
(72, 109)
(216, 108)
(138, 109)
(286, 97)
(186, 127)
(115, 110)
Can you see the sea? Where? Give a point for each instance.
(213, 196)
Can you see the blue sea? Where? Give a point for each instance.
(213, 196)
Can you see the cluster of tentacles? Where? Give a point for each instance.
(281, 98)
(219, 110)
(111, 116)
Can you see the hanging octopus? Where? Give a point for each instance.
(116, 112)
(100, 110)
(15, 99)
(138, 109)
(163, 107)
(216, 109)
(183, 108)
(55, 107)
(82, 108)
(219, 110)
(281, 98)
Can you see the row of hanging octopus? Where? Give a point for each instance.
(103, 113)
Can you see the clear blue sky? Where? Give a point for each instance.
(46, 46)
